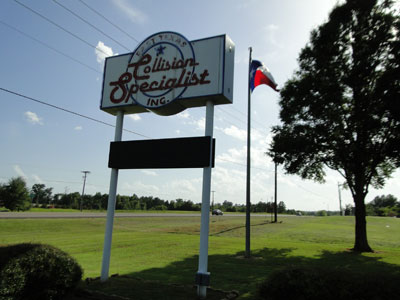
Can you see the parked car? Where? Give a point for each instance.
(217, 212)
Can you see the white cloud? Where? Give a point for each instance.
(271, 30)
(19, 171)
(235, 132)
(78, 127)
(140, 188)
(33, 118)
(183, 115)
(201, 124)
(183, 185)
(134, 14)
(135, 117)
(150, 173)
(37, 179)
(102, 51)
(234, 155)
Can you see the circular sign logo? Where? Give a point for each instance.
(162, 68)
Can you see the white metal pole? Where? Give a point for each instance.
(205, 206)
(248, 176)
(111, 204)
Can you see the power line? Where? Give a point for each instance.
(60, 27)
(244, 165)
(91, 25)
(50, 47)
(242, 113)
(311, 192)
(54, 167)
(61, 181)
(240, 164)
(240, 120)
(102, 16)
(68, 111)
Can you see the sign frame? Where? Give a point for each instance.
(213, 54)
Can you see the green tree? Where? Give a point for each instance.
(384, 201)
(2, 194)
(41, 194)
(383, 205)
(341, 109)
(349, 210)
(227, 206)
(16, 195)
(281, 207)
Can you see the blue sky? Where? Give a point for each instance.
(49, 146)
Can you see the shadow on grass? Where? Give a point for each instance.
(234, 272)
(239, 227)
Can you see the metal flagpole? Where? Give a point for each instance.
(248, 204)
(276, 194)
(111, 204)
(202, 276)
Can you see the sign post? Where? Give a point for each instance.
(167, 74)
(111, 204)
(202, 276)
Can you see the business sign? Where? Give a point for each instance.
(167, 74)
(190, 152)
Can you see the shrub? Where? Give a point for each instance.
(36, 271)
(307, 283)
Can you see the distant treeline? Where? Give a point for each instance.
(16, 196)
(134, 202)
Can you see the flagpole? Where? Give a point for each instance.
(248, 204)
(276, 194)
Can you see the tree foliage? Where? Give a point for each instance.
(385, 205)
(341, 109)
(15, 195)
(41, 194)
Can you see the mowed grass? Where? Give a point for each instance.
(165, 249)
(68, 210)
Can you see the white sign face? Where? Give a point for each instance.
(167, 73)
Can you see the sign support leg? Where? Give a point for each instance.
(202, 276)
(111, 204)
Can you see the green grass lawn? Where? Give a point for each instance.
(68, 210)
(165, 250)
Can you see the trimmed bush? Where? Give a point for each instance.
(312, 283)
(36, 271)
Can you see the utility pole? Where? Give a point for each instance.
(340, 200)
(272, 209)
(212, 204)
(83, 190)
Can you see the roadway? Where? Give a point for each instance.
(77, 215)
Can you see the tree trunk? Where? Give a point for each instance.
(361, 242)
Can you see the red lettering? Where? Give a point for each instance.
(153, 86)
(203, 77)
(120, 84)
(132, 90)
(144, 60)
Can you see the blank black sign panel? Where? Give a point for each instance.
(192, 152)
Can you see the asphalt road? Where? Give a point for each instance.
(76, 215)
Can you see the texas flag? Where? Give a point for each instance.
(259, 74)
